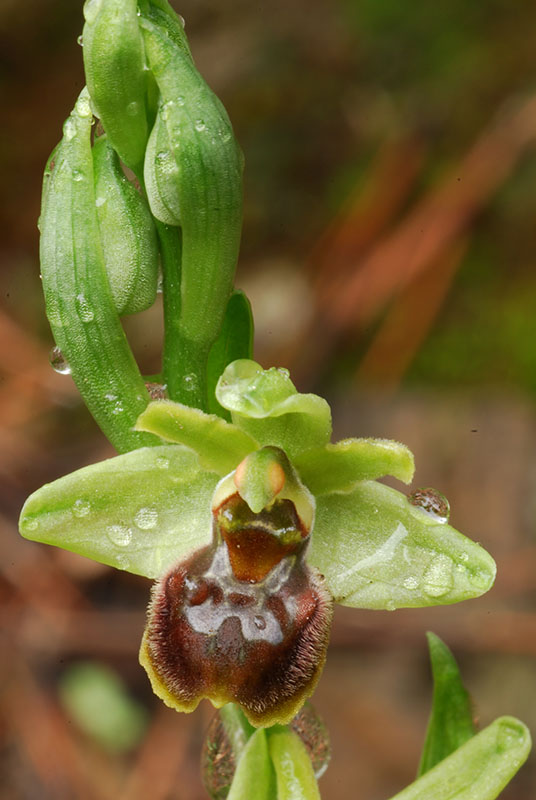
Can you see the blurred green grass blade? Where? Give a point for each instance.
(479, 769)
(234, 341)
(94, 697)
(451, 722)
(254, 776)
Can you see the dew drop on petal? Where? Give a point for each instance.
(438, 578)
(200, 125)
(80, 40)
(133, 108)
(58, 362)
(411, 582)
(81, 508)
(434, 504)
(162, 462)
(119, 535)
(146, 518)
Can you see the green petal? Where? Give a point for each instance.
(294, 771)
(376, 550)
(337, 467)
(479, 769)
(451, 721)
(254, 776)
(265, 403)
(220, 445)
(140, 512)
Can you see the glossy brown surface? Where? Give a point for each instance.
(259, 643)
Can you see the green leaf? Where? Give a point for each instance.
(234, 341)
(254, 776)
(140, 512)
(376, 550)
(79, 303)
(220, 445)
(479, 769)
(294, 771)
(114, 67)
(127, 232)
(266, 404)
(337, 467)
(237, 727)
(451, 721)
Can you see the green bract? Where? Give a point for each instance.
(146, 510)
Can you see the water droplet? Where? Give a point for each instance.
(85, 312)
(182, 20)
(390, 605)
(81, 508)
(100, 201)
(166, 108)
(53, 313)
(438, 578)
(180, 100)
(160, 284)
(133, 108)
(464, 557)
(162, 462)
(200, 125)
(122, 561)
(190, 383)
(411, 583)
(58, 362)
(69, 129)
(166, 162)
(260, 622)
(119, 535)
(218, 760)
(80, 40)
(31, 524)
(157, 391)
(146, 518)
(77, 175)
(118, 408)
(434, 504)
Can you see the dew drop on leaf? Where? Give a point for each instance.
(58, 362)
(81, 508)
(85, 312)
(146, 518)
(434, 504)
(80, 40)
(119, 535)
(438, 578)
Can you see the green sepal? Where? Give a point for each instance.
(451, 721)
(140, 512)
(376, 550)
(235, 341)
(114, 65)
(266, 404)
(160, 173)
(294, 771)
(337, 467)
(479, 769)
(207, 183)
(220, 445)
(127, 231)
(79, 303)
(254, 775)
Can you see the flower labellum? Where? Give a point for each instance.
(245, 619)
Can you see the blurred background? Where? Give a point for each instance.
(389, 250)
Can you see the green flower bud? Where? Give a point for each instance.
(114, 64)
(127, 232)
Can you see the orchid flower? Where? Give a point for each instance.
(252, 529)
